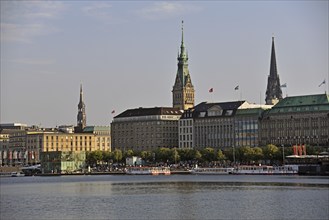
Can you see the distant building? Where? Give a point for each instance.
(297, 120)
(220, 125)
(12, 126)
(62, 161)
(183, 90)
(273, 91)
(145, 128)
(26, 146)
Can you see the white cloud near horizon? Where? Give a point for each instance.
(22, 21)
(163, 10)
(24, 33)
(31, 61)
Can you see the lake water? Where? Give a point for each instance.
(165, 197)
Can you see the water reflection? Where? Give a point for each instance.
(174, 197)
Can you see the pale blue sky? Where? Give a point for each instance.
(125, 54)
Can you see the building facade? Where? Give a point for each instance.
(220, 125)
(297, 120)
(145, 129)
(26, 146)
(273, 91)
(183, 89)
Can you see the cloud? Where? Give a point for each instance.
(31, 61)
(22, 21)
(98, 10)
(162, 10)
(24, 33)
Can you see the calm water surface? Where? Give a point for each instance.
(165, 197)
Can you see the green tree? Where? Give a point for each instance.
(257, 154)
(220, 155)
(208, 154)
(174, 156)
(129, 153)
(146, 155)
(198, 155)
(107, 156)
(162, 154)
(245, 154)
(117, 155)
(270, 152)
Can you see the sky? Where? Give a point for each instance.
(124, 53)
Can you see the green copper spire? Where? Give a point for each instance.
(182, 46)
(183, 90)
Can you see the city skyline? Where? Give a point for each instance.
(125, 54)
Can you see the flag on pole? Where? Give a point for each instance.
(236, 88)
(211, 90)
(284, 85)
(323, 82)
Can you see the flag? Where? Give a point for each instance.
(113, 112)
(211, 90)
(284, 85)
(236, 88)
(323, 82)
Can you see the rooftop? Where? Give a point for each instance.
(149, 111)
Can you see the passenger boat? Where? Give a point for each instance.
(266, 170)
(148, 171)
(212, 171)
(286, 169)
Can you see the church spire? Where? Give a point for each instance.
(81, 117)
(273, 69)
(273, 91)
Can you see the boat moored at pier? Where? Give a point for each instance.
(212, 170)
(266, 170)
(148, 171)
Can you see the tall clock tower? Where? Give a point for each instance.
(183, 90)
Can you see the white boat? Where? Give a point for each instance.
(266, 170)
(148, 171)
(256, 170)
(212, 171)
(17, 174)
(286, 169)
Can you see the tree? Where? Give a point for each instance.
(174, 156)
(270, 152)
(220, 155)
(245, 154)
(208, 154)
(117, 155)
(146, 155)
(129, 153)
(198, 155)
(107, 156)
(257, 154)
(163, 154)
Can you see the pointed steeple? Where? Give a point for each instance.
(183, 90)
(81, 96)
(81, 117)
(273, 91)
(273, 69)
(182, 46)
